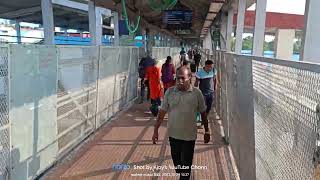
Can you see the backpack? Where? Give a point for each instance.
(167, 73)
(142, 72)
(142, 69)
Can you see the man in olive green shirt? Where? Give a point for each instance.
(182, 102)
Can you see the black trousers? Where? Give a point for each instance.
(182, 154)
(209, 100)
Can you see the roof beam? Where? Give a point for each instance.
(79, 6)
(7, 6)
(71, 4)
(21, 12)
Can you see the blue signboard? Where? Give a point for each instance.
(177, 19)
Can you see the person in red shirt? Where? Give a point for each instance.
(153, 75)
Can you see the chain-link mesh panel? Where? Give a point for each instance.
(4, 113)
(161, 53)
(77, 94)
(109, 60)
(285, 95)
(174, 53)
(133, 75)
(33, 120)
(218, 98)
(285, 100)
(120, 93)
(117, 82)
(142, 52)
(239, 114)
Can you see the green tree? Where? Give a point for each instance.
(268, 46)
(247, 43)
(297, 46)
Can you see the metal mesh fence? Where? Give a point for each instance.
(285, 97)
(118, 77)
(33, 109)
(161, 53)
(69, 92)
(221, 101)
(109, 58)
(77, 94)
(285, 101)
(4, 112)
(133, 75)
(174, 53)
(238, 112)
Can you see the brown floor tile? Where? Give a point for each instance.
(127, 139)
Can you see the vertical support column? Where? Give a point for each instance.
(284, 43)
(149, 38)
(311, 37)
(224, 24)
(229, 29)
(259, 28)
(240, 25)
(47, 21)
(116, 28)
(161, 40)
(143, 34)
(65, 32)
(95, 24)
(18, 30)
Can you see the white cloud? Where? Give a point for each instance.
(284, 6)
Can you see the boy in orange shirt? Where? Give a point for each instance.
(153, 74)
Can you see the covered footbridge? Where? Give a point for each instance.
(71, 111)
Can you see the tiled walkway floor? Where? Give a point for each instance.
(127, 139)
